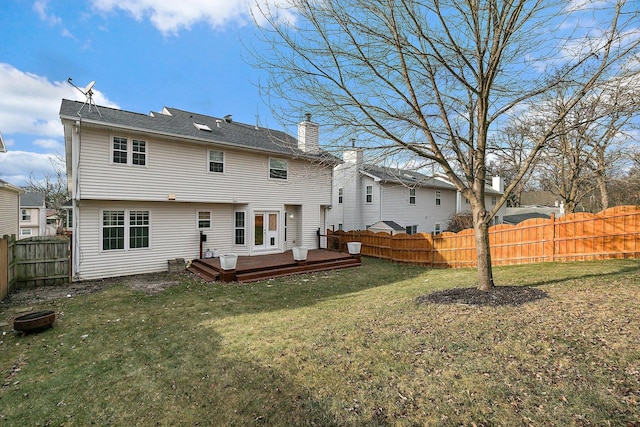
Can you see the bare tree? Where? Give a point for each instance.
(54, 188)
(590, 144)
(434, 79)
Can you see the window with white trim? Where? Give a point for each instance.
(340, 227)
(340, 195)
(240, 228)
(127, 152)
(438, 197)
(138, 229)
(411, 229)
(436, 229)
(124, 230)
(25, 232)
(25, 215)
(369, 194)
(204, 220)
(494, 200)
(277, 169)
(138, 152)
(412, 196)
(216, 161)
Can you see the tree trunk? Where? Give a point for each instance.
(483, 253)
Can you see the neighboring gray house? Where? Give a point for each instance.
(147, 188)
(33, 215)
(364, 195)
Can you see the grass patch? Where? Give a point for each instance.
(349, 347)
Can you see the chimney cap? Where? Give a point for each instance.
(307, 117)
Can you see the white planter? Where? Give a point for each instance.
(354, 247)
(208, 254)
(300, 253)
(228, 261)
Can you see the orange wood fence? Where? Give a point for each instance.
(613, 233)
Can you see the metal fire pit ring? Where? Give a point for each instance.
(34, 321)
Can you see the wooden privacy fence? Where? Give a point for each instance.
(36, 261)
(613, 233)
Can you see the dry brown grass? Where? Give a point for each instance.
(351, 347)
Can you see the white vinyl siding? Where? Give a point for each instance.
(246, 178)
(9, 212)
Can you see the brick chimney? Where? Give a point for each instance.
(308, 135)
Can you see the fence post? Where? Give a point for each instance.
(552, 219)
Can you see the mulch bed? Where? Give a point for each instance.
(499, 295)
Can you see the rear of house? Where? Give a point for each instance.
(150, 188)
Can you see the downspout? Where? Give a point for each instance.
(75, 168)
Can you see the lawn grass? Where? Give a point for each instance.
(346, 348)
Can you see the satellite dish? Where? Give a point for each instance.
(88, 87)
(88, 93)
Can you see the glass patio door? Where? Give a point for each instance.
(265, 230)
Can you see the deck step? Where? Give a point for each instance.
(273, 273)
(203, 271)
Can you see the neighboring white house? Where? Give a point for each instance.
(9, 209)
(33, 215)
(366, 195)
(148, 188)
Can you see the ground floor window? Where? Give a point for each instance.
(412, 229)
(122, 229)
(240, 228)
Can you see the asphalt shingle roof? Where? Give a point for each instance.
(32, 200)
(180, 123)
(405, 177)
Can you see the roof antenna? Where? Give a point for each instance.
(87, 91)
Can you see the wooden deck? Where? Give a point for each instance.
(262, 267)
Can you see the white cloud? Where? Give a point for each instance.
(40, 7)
(17, 166)
(169, 17)
(50, 144)
(30, 103)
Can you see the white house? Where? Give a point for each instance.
(9, 208)
(33, 215)
(366, 195)
(147, 188)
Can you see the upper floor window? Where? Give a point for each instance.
(412, 196)
(138, 152)
(216, 161)
(494, 200)
(204, 219)
(438, 197)
(26, 215)
(340, 194)
(369, 194)
(123, 152)
(277, 169)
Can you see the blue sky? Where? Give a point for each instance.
(143, 55)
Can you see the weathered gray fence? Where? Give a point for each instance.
(32, 262)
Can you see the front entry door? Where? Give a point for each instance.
(266, 230)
